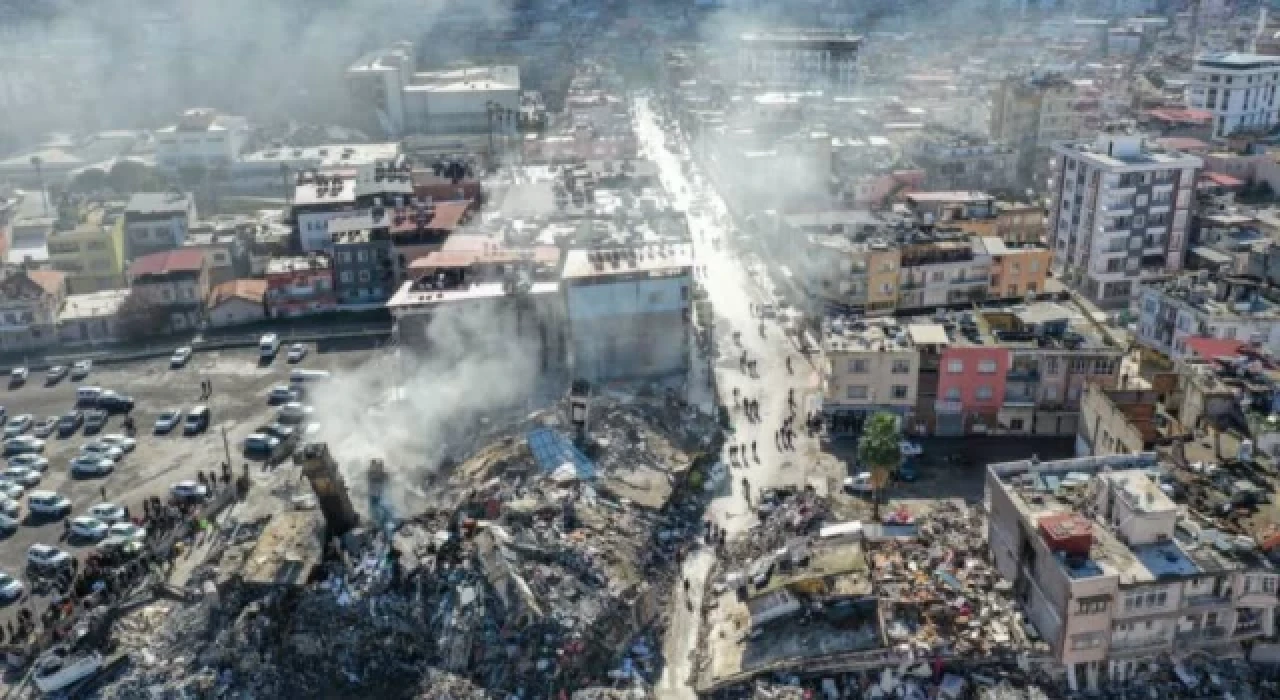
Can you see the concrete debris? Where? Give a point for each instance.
(524, 585)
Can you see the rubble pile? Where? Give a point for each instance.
(530, 582)
(941, 595)
(793, 514)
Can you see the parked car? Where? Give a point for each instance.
(281, 393)
(48, 503)
(910, 449)
(42, 556)
(113, 402)
(128, 531)
(167, 421)
(297, 351)
(18, 376)
(10, 507)
(18, 425)
(30, 460)
(21, 475)
(87, 396)
(45, 427)
(197, 421)
(102, 449)
(124, 442)
(70, 422)
(95, 420)
(109, 513)
(56, 374)
(10, 588)
(81, 369)
(189, 490)
(23, 444)
(88, 528)
(12, 491)
(88, 465)
(180, 358)
(294, 413)
(260, 446)
(859, 484)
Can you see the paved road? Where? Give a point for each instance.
(733, 291)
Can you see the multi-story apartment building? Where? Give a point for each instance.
(89, 249)
(1239, 89)
(1119, 215)
(942, 269)
(157, 221)
(871, 366)
(1112, 573)
(29, 304)
(364, 269)
(1031, 113)
(967, 163)
(202, 138)
(299, 286)
(170, 287)
(799, 58)
(1192, 305)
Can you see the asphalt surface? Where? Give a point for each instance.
(238, 406)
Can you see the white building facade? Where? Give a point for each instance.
(1190, 307)
(1119, 216)
(202, 138)
(1239, 89)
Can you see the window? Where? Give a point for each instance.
(346, 277)
(1015, 424)
(953, 394)
(345, 257)
(899, 391)
(901, 366)
(362, 256)
(1093, 605)
(857, 366)
(1051, 365)
(983, 393)
(364, 276)
(955, 366)
(1088, 640)
(858, 392)
(987, 367)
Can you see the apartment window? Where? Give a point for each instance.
(901, 366)
(1139, 220)
(1079, 365)
(362, 256)
(857, 366)
(937, 276)
(987, 367)
(1051, 393)
(1088, 640)
(345, 257)
(1051, 365)
(1015, 424)
(1157, 599)
(1092, 605)
(346, 276)
(858, 392)
(899, 391)
(955, 367)
(983, 393)
(953, 394)
(364, 276)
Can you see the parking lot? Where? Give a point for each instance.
(237, 405)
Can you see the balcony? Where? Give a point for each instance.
(1247, 629)
(1023, 374)
(1206, 600)
(1138, 646)
(1200, 636)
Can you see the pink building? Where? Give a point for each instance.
(872, 190)
(971, 387)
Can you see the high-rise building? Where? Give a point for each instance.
(1031, 113)
(1120, 213)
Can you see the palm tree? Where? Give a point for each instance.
(38, 163)
(878, 449)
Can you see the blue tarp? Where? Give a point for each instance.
(552, 449)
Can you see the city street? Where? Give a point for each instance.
(733, 293)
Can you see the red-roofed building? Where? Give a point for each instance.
(174, 281)
(416, 233)
(1178, 122)
(1211, 349)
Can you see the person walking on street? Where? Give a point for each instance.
(103, 491)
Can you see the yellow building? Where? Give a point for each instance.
(88, 245)
(1016, 270)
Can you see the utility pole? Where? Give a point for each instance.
(226, 446)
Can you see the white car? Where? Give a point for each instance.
(22, 444)
(167, 421)
(910, 449)
(18, 376)
(124, 442)
(859, 484)
(128, 531)
(189, 490)
(10, 587)
(21, 475)
(87, 528)
(109, 513)
(294, 413)
(48, 503)
(18, 425)
(91, 465)
(10, 507)
(42, 556)
(12, 491)
(297, 351)
(102, 449)
(179, 358)
(81, 369)
(30, 461)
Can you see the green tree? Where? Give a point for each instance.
(878, 450)
(89, 181)
(129, 177)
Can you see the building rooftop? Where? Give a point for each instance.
(410, 296)
(656, 260)
(299, 263)
(145, 203)
(840, 335)
(167, 262)
(1225, 297)
(251, 290)
(337, 188)
(1236, 61)
(475, 79)
(1126, 151)
(94, 305)
(333, 155)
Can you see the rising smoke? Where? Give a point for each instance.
(475, 372)
(113, 64)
